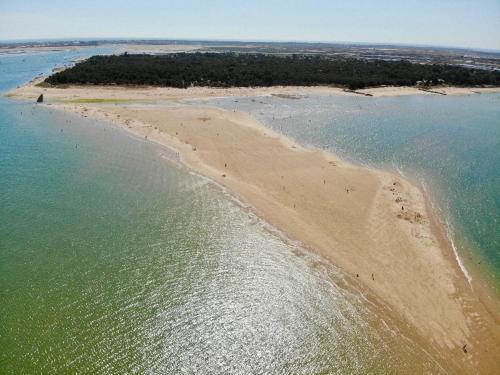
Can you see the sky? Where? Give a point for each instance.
(458, 23)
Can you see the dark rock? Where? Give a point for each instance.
(40, 99)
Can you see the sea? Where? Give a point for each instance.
(115, 259)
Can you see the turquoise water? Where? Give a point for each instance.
(115, 260)
(449, 143)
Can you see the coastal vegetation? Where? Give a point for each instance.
(253, 70)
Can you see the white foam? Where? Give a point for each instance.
(459, 261)
(449, 234)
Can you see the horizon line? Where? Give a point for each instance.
(291, 41)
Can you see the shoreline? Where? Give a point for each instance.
(149, 93)
(474, 276)
(374, 190)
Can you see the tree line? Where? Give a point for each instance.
(256, 70)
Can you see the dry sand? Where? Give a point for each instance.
(121, 48)
(157, 48)
(38, 49)
(372, 224)
(446, 90)
(168, 93)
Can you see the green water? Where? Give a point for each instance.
(114, 259)
(450, 144)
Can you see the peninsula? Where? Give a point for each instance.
(375, 226)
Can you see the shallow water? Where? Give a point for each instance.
(451, 144)
(113, 259)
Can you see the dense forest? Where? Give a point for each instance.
(230, 69)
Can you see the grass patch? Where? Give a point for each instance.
(98, 100)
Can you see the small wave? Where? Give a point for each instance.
(397, 168)
(455, 251)
(449, 232)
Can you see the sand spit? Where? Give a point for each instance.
(38, 49)
(374, 225)
(157, 49)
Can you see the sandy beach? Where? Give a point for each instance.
(157, 48)
(124, 48)
(376, 226)
(145, 93)
(37, 49)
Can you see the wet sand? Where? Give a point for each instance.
(374, 225)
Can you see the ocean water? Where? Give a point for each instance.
(114, 259)
(449, 144)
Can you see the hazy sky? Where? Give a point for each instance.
(466, 23)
